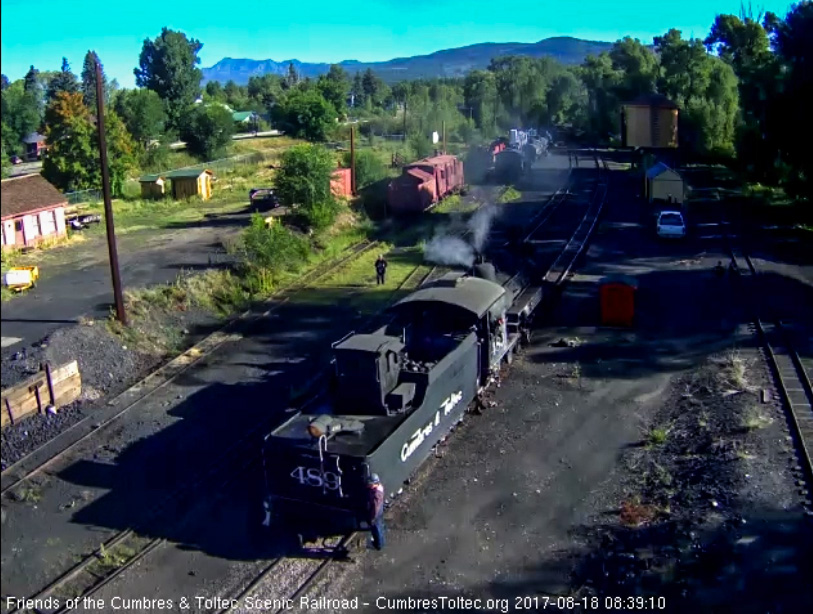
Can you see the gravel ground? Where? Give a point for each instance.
(107, 367)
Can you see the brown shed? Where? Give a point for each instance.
(153, 186)
(650, 121)
(191, 182)
(617, 295)
(33, 211)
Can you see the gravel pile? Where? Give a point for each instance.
(106, 365)
(708, 515)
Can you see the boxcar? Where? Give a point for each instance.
(425, 183)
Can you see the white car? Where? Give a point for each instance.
(671, 225)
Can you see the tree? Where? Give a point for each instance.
(72, 162)
(369, 167)
(357, 90)
(20, 114)
(4, 82)
(215, 91)
(601, 80)
(89, 81)
(168, 66)
(207, 130)
(143, 113)
(64, 81)
(5, 163)
(303, 177)
(32, 85)
(480, 95)
(292, 78)
(266, 90)
(334, 87)
(638, 66)
(305, 115)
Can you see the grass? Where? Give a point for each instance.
(657, 436)
(733, 371)
(753, 419)
(508, 194)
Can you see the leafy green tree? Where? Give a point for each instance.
(143, 113)
(793, 41)
(5, 167)
(64, 81)
(480, 93)
(72, 162)
(305, 115)
(272, 249)
(207, 130)
(168, 66)
(4, 82)
(266, 90)
(215, 91)
(334, 87)
(21, 115)
(89, 81)
(601, 79)
(638, 66)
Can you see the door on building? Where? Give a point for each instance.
(19, 238)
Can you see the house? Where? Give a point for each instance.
(153, 186)
(191, 182)
(650, 121)
(664, 183)
(33, 211)
(245, 118)
(34, 146)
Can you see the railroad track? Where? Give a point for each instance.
(16, 473)
(314, 570)
(790, 372)
(125, 549)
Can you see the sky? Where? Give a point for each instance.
(41, 32)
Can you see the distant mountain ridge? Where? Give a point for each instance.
(445, 63)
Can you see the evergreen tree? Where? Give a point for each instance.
(89, 81)
(64, 81)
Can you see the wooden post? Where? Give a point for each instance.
(50, 382)
(10, 415)
(37, 395)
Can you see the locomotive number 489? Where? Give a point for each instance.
(312, 476)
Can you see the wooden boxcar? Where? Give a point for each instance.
(425, 183)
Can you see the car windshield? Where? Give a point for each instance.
(671, 219)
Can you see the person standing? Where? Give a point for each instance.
(375, 510)
(380, 270)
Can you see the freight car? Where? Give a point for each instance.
(394, 394)
(425, 183)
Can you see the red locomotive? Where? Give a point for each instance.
(425, 183)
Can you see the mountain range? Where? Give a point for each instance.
(445, 63)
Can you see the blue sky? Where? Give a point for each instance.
(40, 32)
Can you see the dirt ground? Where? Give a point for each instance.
(635, 463)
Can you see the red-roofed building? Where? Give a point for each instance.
(32, 211)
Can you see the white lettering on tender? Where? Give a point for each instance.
(420, 435)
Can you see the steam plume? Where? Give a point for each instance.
(448, 249)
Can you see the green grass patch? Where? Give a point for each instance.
(455, 204)
(508, 193)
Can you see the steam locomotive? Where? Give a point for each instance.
(394, 394)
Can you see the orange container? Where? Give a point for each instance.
(617, 295)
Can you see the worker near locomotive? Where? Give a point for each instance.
(380, 270)
(393, 395)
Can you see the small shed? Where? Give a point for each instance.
(153, 186)
(617, 296)
(664, 183)
(341, 183)
(191, 182)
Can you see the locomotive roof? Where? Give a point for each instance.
(432, 160)
(473, 294)
(370, 342)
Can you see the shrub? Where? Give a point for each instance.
(274, 249)
(369, 168)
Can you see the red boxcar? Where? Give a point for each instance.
(424, 183)
(341, 183)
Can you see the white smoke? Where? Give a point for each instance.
(480, 225)
(449, 249)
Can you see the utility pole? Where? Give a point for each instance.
(108, 205)
(353, 159)
(443, 129)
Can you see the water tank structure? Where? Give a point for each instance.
(651, 122)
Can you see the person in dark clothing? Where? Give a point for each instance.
(380, 270)
(375, 510)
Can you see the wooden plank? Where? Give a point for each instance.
(31, 396)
